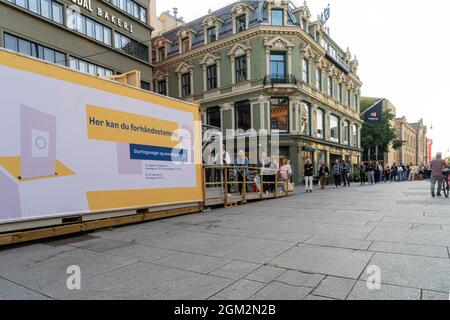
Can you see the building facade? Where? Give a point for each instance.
(265, 65)
(100, 37)
(414, 149)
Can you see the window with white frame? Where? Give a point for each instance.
(320, 124)
(306, 70)
(211, 76)
(186, 84)
(330, 86)
(319, 79)
(346, 133)
(241, 68)
(277, 16)
(334, 128)
(354, 135)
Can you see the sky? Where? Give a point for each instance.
(402, 47)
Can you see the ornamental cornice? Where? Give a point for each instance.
(240, 49)
(210, 58)
(262, 30)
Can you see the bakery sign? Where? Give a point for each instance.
(87, 4)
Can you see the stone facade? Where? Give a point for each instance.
(415, 148)
(267, 66)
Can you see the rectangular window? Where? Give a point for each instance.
(346, 133)
(279, 114)
(22, 3)
(305, 70)
(60, 58)
(33, 5)
(356, 103)
(132, 8)
(145, 85)
(241, 23)
(243, 115)
(87, 67)
(99, 32)
(161, 54)
(278, 66)
(25, 47)
(49, 55)
(319, 79)
(11, 42)
(349, 97)
(185, 45)
(334, 128)
(241, 69)
(130, 46)
(330, 86)
(354, 136)
(162, 87)
(277, 17)
(57, 15)
(320, 124)
(46, 8)
(186, 85)
(211, 74)
(305, 119)
(211, 35)
(213, 117)
(90, 28)
(340, 93)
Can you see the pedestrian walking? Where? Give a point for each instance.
(371, 172)
(309, 173)
(324, 174)
(337, 173)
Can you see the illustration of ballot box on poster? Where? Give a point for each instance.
(36, 162)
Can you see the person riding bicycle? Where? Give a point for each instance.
(437, 166)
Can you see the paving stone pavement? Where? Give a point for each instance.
(319, 246)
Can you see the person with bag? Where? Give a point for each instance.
(324, 173)
(362, 173)
(309, 173)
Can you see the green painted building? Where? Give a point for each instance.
(266, 65)
(100, 37)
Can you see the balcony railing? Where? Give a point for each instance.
(273, 79)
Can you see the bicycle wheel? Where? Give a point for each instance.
(446, 187)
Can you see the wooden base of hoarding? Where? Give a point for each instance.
(73, 228)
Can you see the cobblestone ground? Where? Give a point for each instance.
(307, 246)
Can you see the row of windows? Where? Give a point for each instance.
(131, 8)
(42, 52)
(88, 27)
(33, 49)
(103, 34)
(130, 46)
(279, 119)
(87, 67)
(47, 8)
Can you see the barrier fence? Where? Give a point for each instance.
(231, 185)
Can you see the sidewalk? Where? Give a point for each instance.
(307, 246)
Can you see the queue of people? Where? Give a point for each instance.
(373, 172)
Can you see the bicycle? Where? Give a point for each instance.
(446, 182)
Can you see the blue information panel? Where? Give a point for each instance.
(142, 152)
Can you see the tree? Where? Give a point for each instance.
(380, 135)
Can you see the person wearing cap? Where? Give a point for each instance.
(437, 165)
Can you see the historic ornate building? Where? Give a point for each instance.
(266, 65)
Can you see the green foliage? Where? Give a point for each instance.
(366, 104)
(381, 134)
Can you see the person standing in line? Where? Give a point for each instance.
(242, 164)
(400, 172)
(405, 172)
(362, 173)
(381, 168)
(265, 171)
(337, 173)
(376, 170)
(387, 174)
(324, 173)
(309, 173)
(371, 172)
(346, 173)
(285, 173)
(394, 172)
(437, 166)
(292, 169)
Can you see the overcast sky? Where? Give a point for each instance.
(401, 46)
